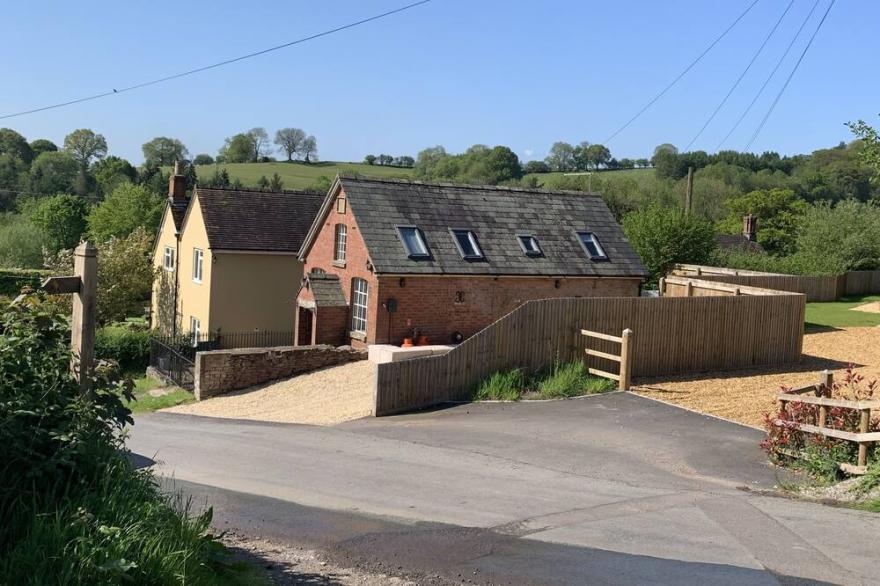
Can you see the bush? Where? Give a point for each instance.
(12, 280)
(796, 264)
(571, 379)
(127, 344)
(846, 235)
(21, 243)
(74, 510)
(666, 236)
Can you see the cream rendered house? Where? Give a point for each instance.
(228, 259)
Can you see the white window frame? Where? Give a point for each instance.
(582, 235)
(169, 259)
(195, 330)
(420, 241)
(360, 297)
(340, 238)
(198, 265)
(472, 239)
(533, 250)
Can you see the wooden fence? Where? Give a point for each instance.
(825, 288)
(672, 335)
(821, 396)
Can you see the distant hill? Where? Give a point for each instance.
(298, 175)
(550, 180)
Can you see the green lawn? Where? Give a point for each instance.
(299, 175)
(144, 402)
(549, 180)
(839, 314)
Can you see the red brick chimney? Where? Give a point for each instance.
(750, 227)
(177, 185)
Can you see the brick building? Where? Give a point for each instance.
(386, 259)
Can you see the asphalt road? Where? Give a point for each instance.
(615, 489)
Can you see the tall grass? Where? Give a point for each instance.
(502, 386)
(21, 243)
(571, 379)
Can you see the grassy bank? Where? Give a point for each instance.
(562, 381)
(299, 175)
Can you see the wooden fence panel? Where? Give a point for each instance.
(823, 288)
(671, 335)
(862, 282)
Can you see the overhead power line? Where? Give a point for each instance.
(769, 77)
(683, 73)
(112, 92)
(741, 75)
(790, 75)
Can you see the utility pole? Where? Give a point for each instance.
(689, 194)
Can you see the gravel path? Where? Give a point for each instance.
(745, 395)
(323, 397)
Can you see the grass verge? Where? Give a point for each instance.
(144, 401)
(564, 380)
(840, 314)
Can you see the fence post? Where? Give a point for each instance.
(625, 359)
(826, 379)
(82, 326)
(864, 422)
(661, 286)
(689, 289)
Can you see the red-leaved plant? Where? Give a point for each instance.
(785, 439)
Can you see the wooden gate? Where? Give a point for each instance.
(624, 358)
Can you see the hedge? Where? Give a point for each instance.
(126, 344)
(12, 280)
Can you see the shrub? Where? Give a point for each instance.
(846, 235)
(502, 386)
(74, 510)
(818, 455)
(127, 344)
(666, 236)
(21, 243)
(126, 209)
(12, 280)
(796, 264)
(572, 379)
(62, 218)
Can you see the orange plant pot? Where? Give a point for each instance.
(422, 340)
(407, 343)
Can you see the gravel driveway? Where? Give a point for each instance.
(323, 397)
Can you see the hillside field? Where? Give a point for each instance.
(549, 180)
(298, 175)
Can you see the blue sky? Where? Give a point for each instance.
(452, 72)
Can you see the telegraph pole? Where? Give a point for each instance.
(689, 194)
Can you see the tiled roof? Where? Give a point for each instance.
(496, 215)
(326, 290)
(242, 219)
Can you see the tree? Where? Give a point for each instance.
(276, 184)
(428, 160)
(110, 171)
(501, 164)
(163, 151)
(190, 177)
(62, 218)
(581, 157)
(13, 171)
(841, 237)
(869, 152)
(370, 160)
(385, 159)
(309, 149)
(84, 145)
(406, 161)
(643, 163)
(238, 149)
(665, 236)
(778, 211)
(259, 142)
(536, 167)
(289, 141)
(203, 159)
(664, 148)
(129, 207)
(561, 157)
(42, 145)
(12, 143)
(53, 172)
(598, 155)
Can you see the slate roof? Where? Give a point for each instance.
(326, 290)
(496, 215)
(243, 219)
(737, 242)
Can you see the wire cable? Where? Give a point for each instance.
(790, 75)
(769, 77)
(682, 74)
(215, 65)
(741, 76)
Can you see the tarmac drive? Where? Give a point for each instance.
(612, 489)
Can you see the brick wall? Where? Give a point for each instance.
(221, 371)
(355, 265)
(439, 306)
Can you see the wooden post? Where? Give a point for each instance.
(661, 286)
(826, 379)
(864, 422)
(85, 266)
(625, 359)
(689, 289)
(689, 194)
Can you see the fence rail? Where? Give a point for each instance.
(823, 401)
(624, 359)
(675, 335)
